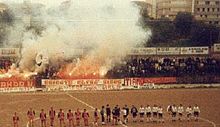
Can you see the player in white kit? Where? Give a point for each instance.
(196, 112)
(174, 112)
(155, 113)
(124, 113)
(189, 112)
(142, 112)
(148, 113)
(180, 111)
(160, 114)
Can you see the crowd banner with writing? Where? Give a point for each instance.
(194, 51)
(9, 52)
(142, 81)
(16, 83)
(168, 51)
(217, 47)
(84, 84)
(142, 51)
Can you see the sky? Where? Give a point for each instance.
(46, 2)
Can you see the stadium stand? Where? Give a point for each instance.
(166, 67)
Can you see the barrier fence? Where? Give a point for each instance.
(114, 84)
(19, 85)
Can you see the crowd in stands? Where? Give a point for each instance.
(155, 67)
(5, 64)
(148, 67)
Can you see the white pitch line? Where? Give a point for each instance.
(80, 101)
(206, 120)
(88, 105)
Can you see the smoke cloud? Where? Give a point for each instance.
(101, 30)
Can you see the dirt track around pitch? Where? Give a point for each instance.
(207, 99)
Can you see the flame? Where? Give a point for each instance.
(94, 65)
(14, 73)
(103, 71)
(83, 70)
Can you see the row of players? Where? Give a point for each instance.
(153, 114)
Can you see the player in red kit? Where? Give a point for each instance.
(70, 118)
(85, 116)
(43, 118)
(31, 115)
(15, 120)
(52, 115)
(61, 117)
(78, 117)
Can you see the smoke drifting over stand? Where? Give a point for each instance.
(107, 28)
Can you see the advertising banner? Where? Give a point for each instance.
(168, 51)
(142, 51)
(9, 52)
(84, 84)
(47, 82)
(16, 83)
(194, 50)
(142, 81)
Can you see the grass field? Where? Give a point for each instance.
(207, 99)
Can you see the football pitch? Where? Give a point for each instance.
(207, 99)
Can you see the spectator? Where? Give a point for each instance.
(155, 67)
